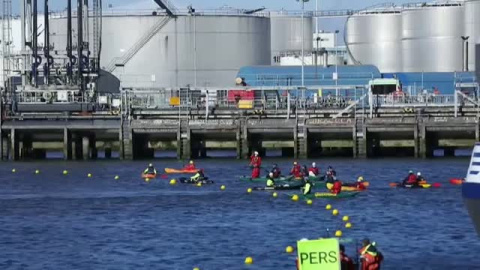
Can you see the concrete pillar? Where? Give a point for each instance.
(304, 153)
(423, 141)
(67, 144)
(187, 144)
(245, 141)
(126, 145)
(26, 147)
(238, 138)
(295, 142)
(14, 146)
(179, 143)
(85, 148)
(363, 144)
(416, 143)
(5, 148)
(355, 142)
(78, 147)
(92, 145)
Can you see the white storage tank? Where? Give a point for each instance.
(472, 29)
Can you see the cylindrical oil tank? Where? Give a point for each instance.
(431, 38)
(477, 61)
(286, 33)
(375, 39)
(200, 50)
(472, 29)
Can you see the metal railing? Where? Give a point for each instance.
(43, 97)
(416, 100)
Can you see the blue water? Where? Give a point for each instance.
(52, 221)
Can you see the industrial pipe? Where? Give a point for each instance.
(46, 47)
(80, 41)
(35, 44)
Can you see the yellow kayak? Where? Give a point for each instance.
(348, 188)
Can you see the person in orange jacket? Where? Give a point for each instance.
(346, 262)
(337, 187)
(256, 163)
(370, 257)
(190, 166)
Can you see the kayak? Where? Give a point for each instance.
(264, 179)
(347, 187)
(328, 195)
(149, 175)
(281, 187)
(205, 180)
(456, 181)
(170, 170)
(420, 185)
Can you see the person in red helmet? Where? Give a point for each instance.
(296, 170)
(313, 171)
(255, 163)
(337, 187)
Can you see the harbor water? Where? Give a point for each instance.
(55, 221)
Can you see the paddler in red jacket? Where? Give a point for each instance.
(337, 187)
(296, 171)
(360, 185)
(256, 163)
(190, 166)
(371, 258)
(313, 171)
(411, 179)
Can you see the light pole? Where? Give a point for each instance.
(303, 41)
(336, 62)
(191, 11)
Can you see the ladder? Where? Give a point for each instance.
(130, 53)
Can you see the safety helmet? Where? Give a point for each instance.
(314, 164)
(150, 165)
(294, 163)
(419, 173)
(270, 174)
(410, 171)
(255, 153)
(191, 161)
(360, 179)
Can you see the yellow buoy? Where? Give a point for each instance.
(14, 170)
(117, 177)
(173, 182)
(328, 207)
(147, 179)
(196, 268)
(348, 225)
(345, 218)
(199, 184)
(65, 172)
(289, 249)
(89, 175)
(309, 202)
(248, 260)
(37, 171)
(335, 212)
(275, 195)
(249, 190)
(222, 187)
(295, 198)
(338, 233)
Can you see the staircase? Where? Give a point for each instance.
(301, 141)
(130, 53)
(360, 149)
(168, 6)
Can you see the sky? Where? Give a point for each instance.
(244, 4)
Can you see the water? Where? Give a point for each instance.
(52, 221)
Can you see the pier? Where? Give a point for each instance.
(141, 123)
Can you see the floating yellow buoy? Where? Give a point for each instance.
(14, 170)
(338, 233)
(328, 207)
(335, 212)
(275, 195)
(248, 260)
(196, 268)
(345, 218)
(309, 202)
(147, 179)
(65, 172)
(289, 249)
(117, 177)
(348, 225)
(295, 198)
(222, 187)
(199, 184)
(249, 190)
(89, 175)
(37, 171)
(173, 182)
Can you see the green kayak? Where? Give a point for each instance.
(328, 195)
(281, 179)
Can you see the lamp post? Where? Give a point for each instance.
(336, 61)
(191, 11)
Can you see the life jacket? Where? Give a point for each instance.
(361, 186)
(337, 187)
(307, 189)
(270, 182)
(276, 173)
(189, 167)
(412, 179)
(315, 170)
(150, 170)
(255, 161)
(371, 257)
(296, 170)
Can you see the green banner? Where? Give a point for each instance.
(323, 254)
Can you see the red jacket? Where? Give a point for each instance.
(346, 262)
(337, 187)
(296, 171)
(412, 179)
(255, 161)
(361, 186)
(189, 167)
(370, 261)
(315, 170)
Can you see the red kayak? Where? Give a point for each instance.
(170, 170)
(456, 181)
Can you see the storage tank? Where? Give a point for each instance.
(374, 38)
(286, 33)
(431, 38)
(217, 45)
(472, 29)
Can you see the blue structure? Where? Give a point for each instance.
(258, 76)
